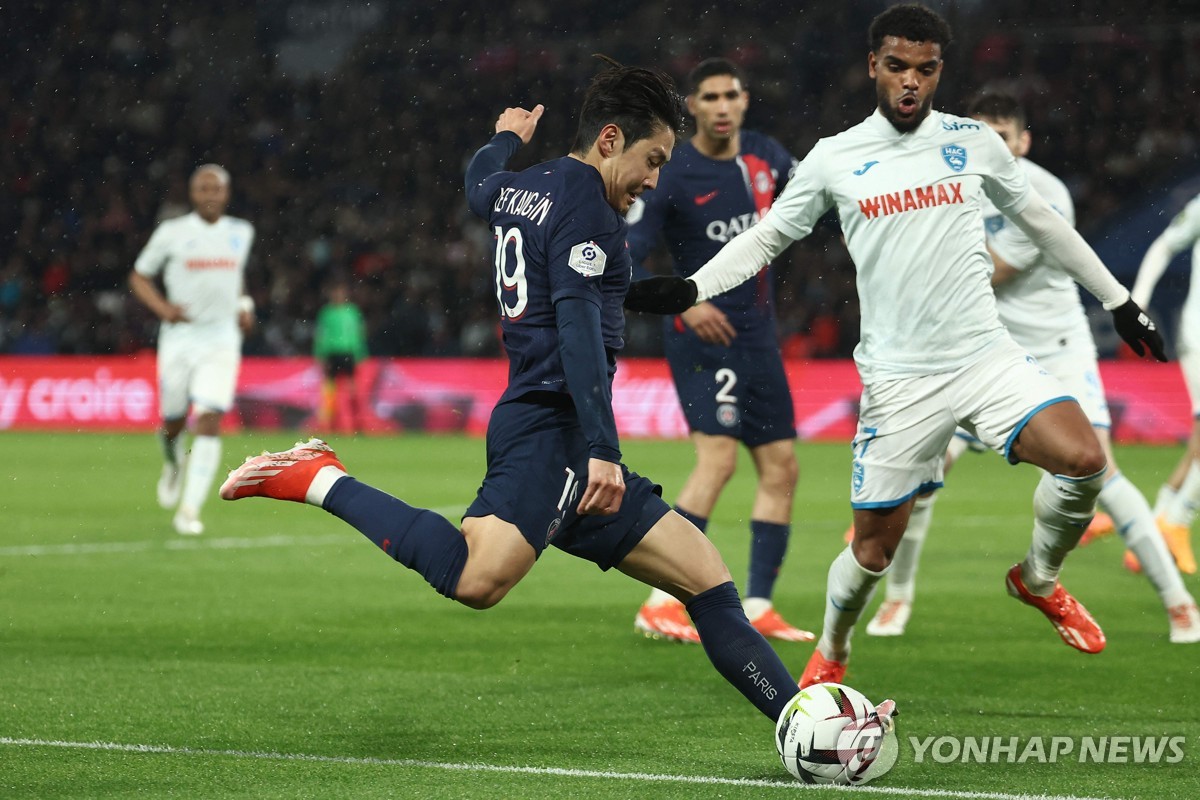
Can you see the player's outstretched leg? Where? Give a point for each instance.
(675, 556)
(311, 473)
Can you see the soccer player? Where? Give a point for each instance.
(1179, 497)
(561, 269)
(201, 257)
(724, 353)
(339, 343)
(908, 185)
(1039, 305)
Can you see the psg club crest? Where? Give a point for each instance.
(955, 157)
(728, 415)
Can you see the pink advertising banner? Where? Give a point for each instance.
(1148, 401)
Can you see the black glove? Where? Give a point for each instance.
(661, 295)
(1135, 327)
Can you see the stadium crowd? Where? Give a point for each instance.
(349, 158)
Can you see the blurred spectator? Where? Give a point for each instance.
(349, 132)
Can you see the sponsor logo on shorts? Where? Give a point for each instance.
(728, 415)
(858, 476)
(553, 529)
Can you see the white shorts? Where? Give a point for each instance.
(905, 424)
(1079, 374)
(199, 375)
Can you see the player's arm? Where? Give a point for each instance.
(246, 316)
(148, 294)
(1183, 231)
(141, 280)
(485, 172)
(585, 362)
(1055, 236)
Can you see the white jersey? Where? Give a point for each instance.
(1183, 232)
(1039, 305)
(911, 209)
(202, 265)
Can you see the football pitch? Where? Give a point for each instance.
(280, 655)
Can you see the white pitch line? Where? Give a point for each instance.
(547, 771)
(197, 543)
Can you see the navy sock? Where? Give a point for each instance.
(739, 652)
(419, 539)
(697, 520)
(768, 544)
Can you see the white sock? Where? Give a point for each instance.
(1166, 496)
(1182, 509)
(658, 597)
(322, 482)
(755, 607)
(1062, 508)
(201, 469)
(847, 592)
(1135, 522)
(901, 581)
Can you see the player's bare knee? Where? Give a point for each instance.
(872, 554)
(481, 593)
(1087, 458)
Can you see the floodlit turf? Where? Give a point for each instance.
(281, 656)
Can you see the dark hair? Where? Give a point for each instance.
(708, 68)
(997, 105)
(638, 101)
(911, 21)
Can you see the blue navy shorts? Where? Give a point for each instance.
(732, 391)
(537, 472)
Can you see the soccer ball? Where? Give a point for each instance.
(830, 733)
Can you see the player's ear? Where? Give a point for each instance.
(871, 63)
(691, 104)
(610, 141)
(1025, 140)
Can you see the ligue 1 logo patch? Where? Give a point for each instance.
(587, 259)
(955, 157)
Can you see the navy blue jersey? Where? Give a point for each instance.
(700, 204)
(556, 237)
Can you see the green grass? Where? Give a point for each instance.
(317, 645)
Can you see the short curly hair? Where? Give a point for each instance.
(911, 21)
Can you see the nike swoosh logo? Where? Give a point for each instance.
(865, 167)
(704, 198)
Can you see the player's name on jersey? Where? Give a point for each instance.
(939, 194)
(523, 203)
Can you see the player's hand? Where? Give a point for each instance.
(709, 323)
(605, 488)
(662, 294)
(1138, 330)
(521, 122)
(174, 313)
